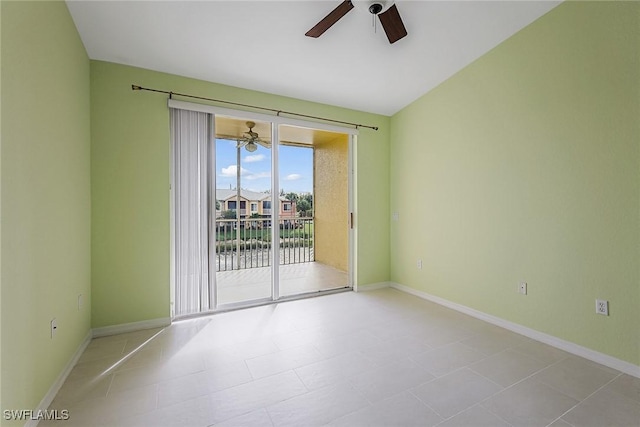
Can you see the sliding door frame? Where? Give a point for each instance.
(275, 211)
(276, 122)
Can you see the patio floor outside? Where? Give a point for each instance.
(255, 283)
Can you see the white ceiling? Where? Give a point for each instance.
(261, 45)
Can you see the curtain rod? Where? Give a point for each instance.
(277, 112)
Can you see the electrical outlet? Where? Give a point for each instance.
(522, 288)
(419, 264)
(54, 327)
(396, 216)
(602, 307)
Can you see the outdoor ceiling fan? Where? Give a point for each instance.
(251, 139)
(386, 11)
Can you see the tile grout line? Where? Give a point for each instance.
(113, 375)
(428, 406)
(300, 379)
(494, 414)
(269, 415)
(504, 389)
(370, 403)
(465, 409)
(473, 406)
(470, 367)
(523, 379)
(248, 369)
(580, 401)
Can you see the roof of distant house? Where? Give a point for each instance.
(226, 194)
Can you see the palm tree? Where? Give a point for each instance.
(292, 197)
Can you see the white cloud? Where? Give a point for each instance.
(258, 175)
(292, 177)
(254, 158)
(232, 171)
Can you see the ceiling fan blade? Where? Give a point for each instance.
(265, 144)
(392, 24)
(330, 19)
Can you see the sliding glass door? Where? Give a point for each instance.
(314, 215)
(244, 213)
(260, 210)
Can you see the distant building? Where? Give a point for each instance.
(252, 202)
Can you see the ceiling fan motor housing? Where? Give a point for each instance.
(374, 7)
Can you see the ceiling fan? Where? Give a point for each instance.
(251, 139)
(386, 11)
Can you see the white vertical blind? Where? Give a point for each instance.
(192, 145)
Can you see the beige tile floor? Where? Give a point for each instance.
(379, 358)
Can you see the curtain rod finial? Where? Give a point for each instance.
(136, 87)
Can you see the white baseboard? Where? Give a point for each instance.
(131, 327)
(55, 387)
(372, 286)
(578, 350)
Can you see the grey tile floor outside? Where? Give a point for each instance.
(255, 283)
(378, 358)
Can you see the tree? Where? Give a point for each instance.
(229, 214)
(304, 203)
(304, 207)
(292, 197)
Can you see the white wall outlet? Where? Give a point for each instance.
(602, 307)
(419, 264)
(54, 327)
(80, 302)
(522, 288)
(396, 216)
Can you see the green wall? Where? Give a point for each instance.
(45, 217)
(1, 406)
(130, 187)
(525, 166)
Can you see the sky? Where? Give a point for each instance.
(296, 167)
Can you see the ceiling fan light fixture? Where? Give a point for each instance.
(375, 7)
(251, 146)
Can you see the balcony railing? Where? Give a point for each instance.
(247, 243)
